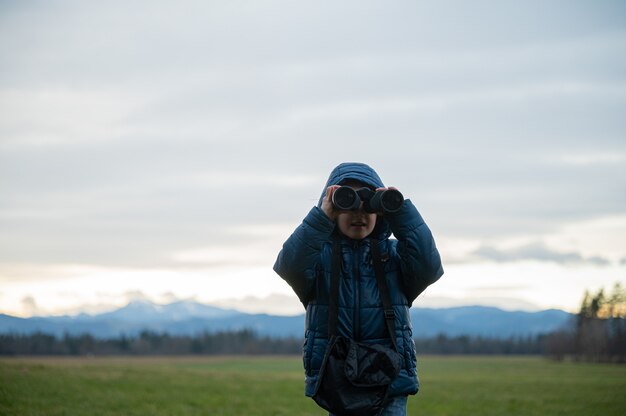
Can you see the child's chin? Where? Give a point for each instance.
(358, 234)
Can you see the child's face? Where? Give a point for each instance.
(356, 224)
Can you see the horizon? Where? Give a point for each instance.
(166, 151)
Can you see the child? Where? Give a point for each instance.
(411, 263)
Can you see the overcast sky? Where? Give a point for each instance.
(165, 150)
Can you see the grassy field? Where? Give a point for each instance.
(274, 386)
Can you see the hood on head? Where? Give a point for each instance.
(362, 173)
(354, 171)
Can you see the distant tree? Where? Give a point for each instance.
(615, 304)
(560, 344)
(600, 333)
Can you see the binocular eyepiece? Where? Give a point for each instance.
(388, 201)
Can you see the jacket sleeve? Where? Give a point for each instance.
(301, 253)
(420, 263)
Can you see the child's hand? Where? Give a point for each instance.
(384, 189)
(327, 203)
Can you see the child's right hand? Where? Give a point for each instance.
(327, 203)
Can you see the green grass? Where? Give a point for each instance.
(274, 386)
(518, 386)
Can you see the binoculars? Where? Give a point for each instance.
(346, 198)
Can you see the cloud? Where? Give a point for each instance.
(594, 159)
(536, 251)
(44, 117)
(278, 304)
(202, 134)
(511, 302)
(240, 254)
(29, 306)
(135, 295)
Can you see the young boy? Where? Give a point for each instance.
(410, 264)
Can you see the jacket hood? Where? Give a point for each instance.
(355, 171)
(362, 173)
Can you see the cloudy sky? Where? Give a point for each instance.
(165, 150)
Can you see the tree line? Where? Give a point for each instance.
(148, 343)
(243, 342)
(598, 332)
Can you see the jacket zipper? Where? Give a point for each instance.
(357, 289)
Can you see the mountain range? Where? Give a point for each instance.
(191, 318)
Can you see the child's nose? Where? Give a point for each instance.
(360, 211)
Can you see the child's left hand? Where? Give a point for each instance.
(327, 203)
(387, 188)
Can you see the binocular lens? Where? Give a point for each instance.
(346, 198)
(392, 200)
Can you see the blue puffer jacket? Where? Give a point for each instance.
(411, 263)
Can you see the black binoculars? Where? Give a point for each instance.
(346, 198)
